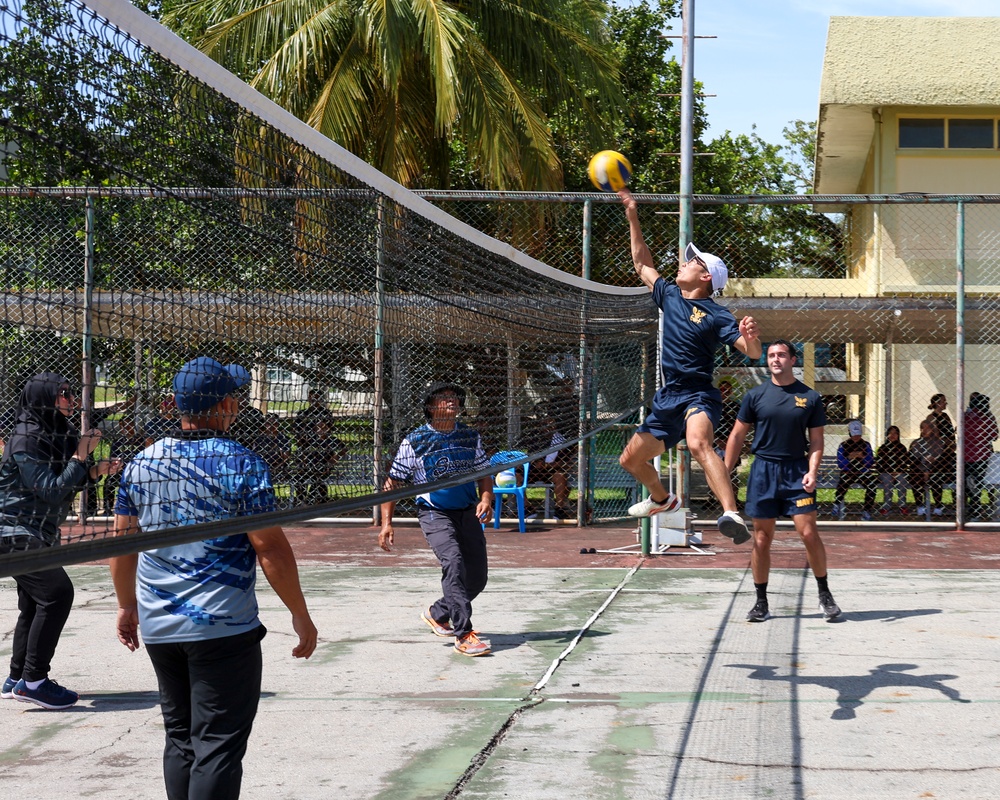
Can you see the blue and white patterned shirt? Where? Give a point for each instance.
(202, 590)
(429, 455)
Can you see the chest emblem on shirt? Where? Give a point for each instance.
(697, 315)
(800, 402)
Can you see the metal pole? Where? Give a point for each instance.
(960, 366)
(582, 447)
(87, 384)
(687, 125)
(378, 366)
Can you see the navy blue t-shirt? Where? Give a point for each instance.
(782, 417)
(692, 332)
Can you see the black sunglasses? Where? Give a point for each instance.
(67, 393)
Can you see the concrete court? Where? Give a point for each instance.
(668, 692)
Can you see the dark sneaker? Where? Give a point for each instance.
(8, 688)
(49, 695)
(827, 605)
(471, 645)
(649, 508)
(759, 612)
(439, 628)
(732, 526)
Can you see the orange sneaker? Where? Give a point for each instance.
(471, 645)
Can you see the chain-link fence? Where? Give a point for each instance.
(872, 300)
(891, 299)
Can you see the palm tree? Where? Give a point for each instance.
(402, 82)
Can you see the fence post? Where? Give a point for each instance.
(87, 386)
(378, 366)
(583, 379)
(960, 366)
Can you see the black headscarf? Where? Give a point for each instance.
(41, 430)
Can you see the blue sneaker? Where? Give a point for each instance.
(8, 688)
(49, 695)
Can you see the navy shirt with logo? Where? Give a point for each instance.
(692, 332)
(782, 417)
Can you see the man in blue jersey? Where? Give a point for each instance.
(195, 603)
(451, 519)
(788, 419)
(687, 406)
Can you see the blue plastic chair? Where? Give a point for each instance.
(519, 490)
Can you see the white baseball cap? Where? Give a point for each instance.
(716, 266)
(854, 428)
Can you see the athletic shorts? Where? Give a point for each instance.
(668, 419)
(774, 489)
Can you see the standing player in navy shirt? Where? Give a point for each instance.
(452, 519)
(789, 419)
(687, 406)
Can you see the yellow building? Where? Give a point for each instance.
(910, 105)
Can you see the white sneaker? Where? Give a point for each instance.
(647, 508)
(938, 512)
(732, 525)
(921, 510)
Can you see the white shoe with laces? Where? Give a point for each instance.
(649, 507)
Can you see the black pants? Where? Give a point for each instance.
(868, 481)
(458, 541)
(209, 692)
(44, 600)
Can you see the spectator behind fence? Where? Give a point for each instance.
(980, 433)
(316, 459)
(925, 454)
(855, 459)
(553, 467)
(946, 431)
(893, 465)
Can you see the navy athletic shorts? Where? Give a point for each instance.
(774, 489)
(668, 419)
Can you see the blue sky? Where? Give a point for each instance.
(765, 65)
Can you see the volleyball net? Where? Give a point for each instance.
(155, 209)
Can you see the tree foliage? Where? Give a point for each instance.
(395, 81)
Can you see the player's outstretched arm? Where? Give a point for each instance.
(642, 257)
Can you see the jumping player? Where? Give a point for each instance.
(788, 445)
(687, 406)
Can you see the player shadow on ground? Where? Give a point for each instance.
(110, 701)
(890, 615)
(852, 689)
(883, 615)
(511, 641)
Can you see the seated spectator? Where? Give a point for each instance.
(315, 459)
(855, 459)
(926, 454)
(552, 468)
(980, 433)
(893, 464)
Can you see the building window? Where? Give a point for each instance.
(961, 133)
(921, 133)
(970, 133)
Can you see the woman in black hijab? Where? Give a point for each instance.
(45, 462)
